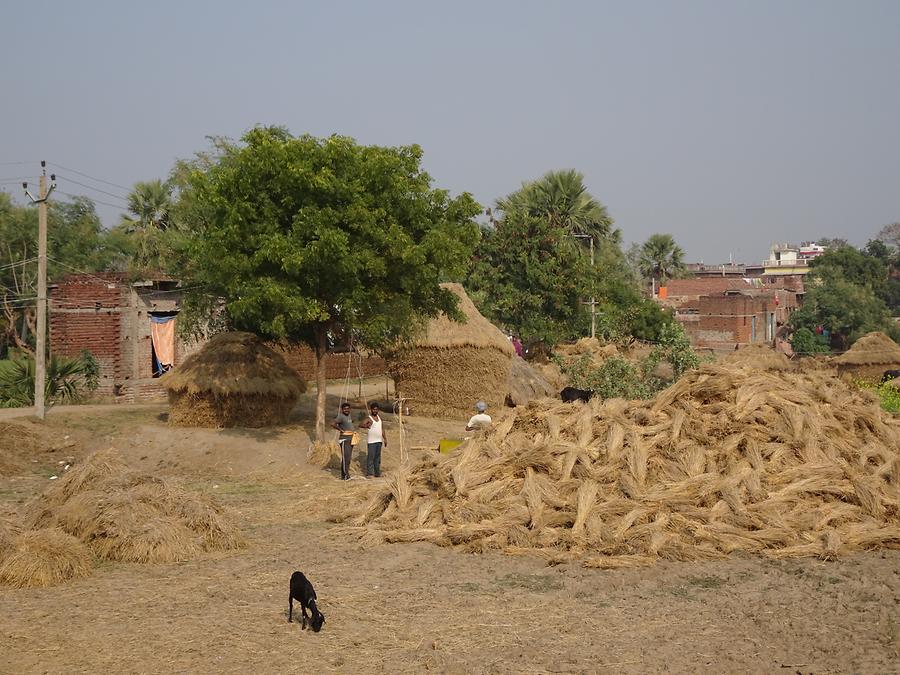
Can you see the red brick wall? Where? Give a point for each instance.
(85, 314)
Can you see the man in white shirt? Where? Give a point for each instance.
(480, 419)
(375, 441)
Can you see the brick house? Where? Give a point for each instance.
(113, 318)
(738, 317)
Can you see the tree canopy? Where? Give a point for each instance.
(660, 258)
(299, 236)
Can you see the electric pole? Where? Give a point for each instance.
(40, 348)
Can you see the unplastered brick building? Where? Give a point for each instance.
(128, 326)
(739, 317)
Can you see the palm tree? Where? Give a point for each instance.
(561, 198)
(661, 258)
(149, 204)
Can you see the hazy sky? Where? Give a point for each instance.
(729, 124)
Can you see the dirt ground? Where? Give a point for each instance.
(410, 607)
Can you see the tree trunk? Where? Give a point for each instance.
(321, 350)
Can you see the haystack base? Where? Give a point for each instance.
(239, 410)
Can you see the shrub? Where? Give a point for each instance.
(888, 395)
(805, 342)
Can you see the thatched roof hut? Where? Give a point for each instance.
(453, 365)
(234, 380)
(869, 357)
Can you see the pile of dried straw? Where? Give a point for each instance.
(454, 365)
(870, 356)
(128, 516)
(44, 558)
(745, 455)
(234, 380)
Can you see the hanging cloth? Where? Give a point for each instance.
(162, 334)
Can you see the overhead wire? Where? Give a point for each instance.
(91, 187)
(93, 199)
(81, 173)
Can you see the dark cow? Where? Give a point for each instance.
(571, 394)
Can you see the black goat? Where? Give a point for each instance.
(302, 590)
(570, 394)
(890, 375)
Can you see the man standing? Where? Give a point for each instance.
(344, 425)
(374, 442)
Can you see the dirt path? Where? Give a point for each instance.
(411, 608)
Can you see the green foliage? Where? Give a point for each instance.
(618, 378)
(66, 382)
(299, 235)
(805, 342)
(561, 199)
(90, 370)
(661, 258)
(528, 277)
(675, 348)
(848, 310)
(146, 229)
(888, 395)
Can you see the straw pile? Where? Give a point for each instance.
(234, 380)
(454, 365)
(526, 383)
(44, 557)
(732, 457)
(128, 516)
(869, 357)
(592, 347)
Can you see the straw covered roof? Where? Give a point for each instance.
(235, 364)
(444, 333)
(871, 349)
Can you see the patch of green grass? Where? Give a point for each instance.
(539, 583)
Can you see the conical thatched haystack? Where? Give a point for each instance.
(233, 381)
(870, 356)
(454, 365)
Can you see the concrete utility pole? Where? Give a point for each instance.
(40, 348)
(593, 302)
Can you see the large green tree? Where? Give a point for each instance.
(528, 277)
(295, 237)
(661, 258)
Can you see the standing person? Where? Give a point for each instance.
(344, 424)
(480, 419)
(375, 441)
(517, 345)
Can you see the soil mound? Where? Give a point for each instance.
(732, 457)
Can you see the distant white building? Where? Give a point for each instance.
(792, 256)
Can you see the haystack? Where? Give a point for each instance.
(869, 357)
(234, 380)
(732, 457)
(44, 557)
(527, 383)
(129, 516)
(454, 365)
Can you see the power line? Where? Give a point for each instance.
(29, 161)
(16, 264)
(91, 187)
(99, 180)
(96, 201)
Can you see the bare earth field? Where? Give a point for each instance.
(411, 607)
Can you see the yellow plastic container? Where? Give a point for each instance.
(448, 444)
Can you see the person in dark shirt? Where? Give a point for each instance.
(344, 425)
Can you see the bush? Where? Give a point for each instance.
(805, 342)
(66, 382)
(888, 395)
(616, 378)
